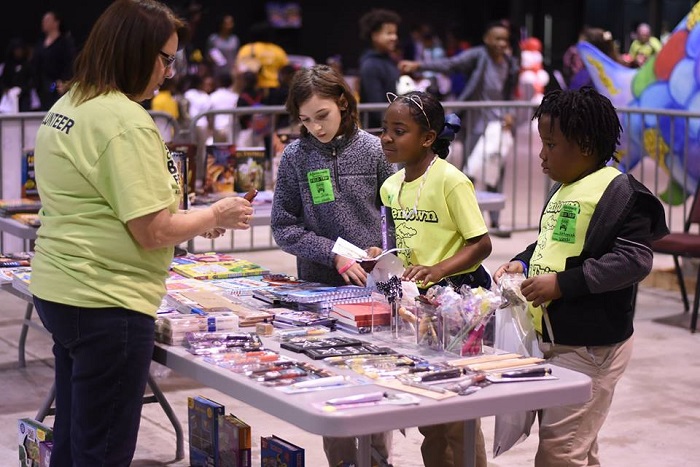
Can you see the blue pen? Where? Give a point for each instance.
(198, 311)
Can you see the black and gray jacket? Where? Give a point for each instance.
(596, 307)
(357, 169)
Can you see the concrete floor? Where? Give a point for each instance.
(653, 421)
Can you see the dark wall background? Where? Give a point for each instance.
(330, 27)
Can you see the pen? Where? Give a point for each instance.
(358, 398)
(427, 387)
(320, 382)
(529, 373)
(460, 386)
(440, 375)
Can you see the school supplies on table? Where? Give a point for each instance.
(219, 269)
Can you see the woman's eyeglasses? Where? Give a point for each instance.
(169, 62)
(391, 97)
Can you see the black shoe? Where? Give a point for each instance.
(496, 232)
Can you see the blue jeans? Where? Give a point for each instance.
(102, 360)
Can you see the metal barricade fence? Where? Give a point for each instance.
(655, 143)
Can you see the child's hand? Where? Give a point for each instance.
(514, 267)
(373, 251)
(423, 275)
(541, 289)
(350, 270)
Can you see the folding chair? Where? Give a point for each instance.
(685, 244)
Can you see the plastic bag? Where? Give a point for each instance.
(489, 155)
(514, 333)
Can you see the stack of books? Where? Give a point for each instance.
(362, 316)
(209, 303)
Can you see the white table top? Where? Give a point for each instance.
(570, 387)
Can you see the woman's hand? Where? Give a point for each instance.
(216, 232)
(233, 212)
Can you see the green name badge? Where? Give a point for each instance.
(565, 230)
(321, 186)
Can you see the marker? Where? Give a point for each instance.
(529, 373)
(440, 375)
(461, 386)
(320, 382)
(358, 398)
(427, 387)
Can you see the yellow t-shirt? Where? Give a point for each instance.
(564, 225)
(165, 102)
(99, 165)
(271, 58)
(447, 214)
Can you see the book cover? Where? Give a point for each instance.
(235, 442)
(388, 229)
(30, 435)
(29, 189)
(220, 169)
(220, 269)
(185, 158)
(205, 418)
(277, 452)
(250, 169)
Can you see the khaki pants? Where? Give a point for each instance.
(343, 451)
(569, 435)
(443, 445)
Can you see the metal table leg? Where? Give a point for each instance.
(45, 408)
(23, 334)
(470, 443)
(160, 398)
(364, 452)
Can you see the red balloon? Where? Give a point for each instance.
(671, 53)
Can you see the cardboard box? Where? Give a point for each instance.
(30, 434)
(277, 452)
(205, 418)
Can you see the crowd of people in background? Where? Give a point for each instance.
(258, 72)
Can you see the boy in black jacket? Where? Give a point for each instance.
(592, 248)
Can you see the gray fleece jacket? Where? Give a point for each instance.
(357, 169)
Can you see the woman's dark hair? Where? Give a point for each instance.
(323, 82)
(122, 48)
(585, 117)
(373, 20)
(446, 128)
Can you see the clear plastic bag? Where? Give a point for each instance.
(516, 333)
